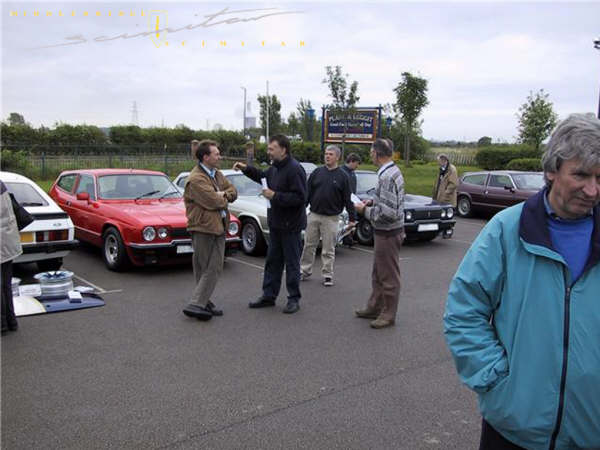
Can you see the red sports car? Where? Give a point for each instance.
(135, 216)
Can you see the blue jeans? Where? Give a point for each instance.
(285, 248)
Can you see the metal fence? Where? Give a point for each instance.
(457, 158)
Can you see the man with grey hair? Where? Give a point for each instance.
(522, 317)
(386, 214)
(328, 193)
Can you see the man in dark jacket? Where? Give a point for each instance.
(352, 162)
(286, 191)
(328, 194)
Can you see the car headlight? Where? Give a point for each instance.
(234, 228)
(149, 233)
(443, 213)
(408, 215)
(162, 233)
(450, 213)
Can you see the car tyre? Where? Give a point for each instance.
(113, 250)
(253, 241)
(364, 232)
(48, 265)
(464, 207)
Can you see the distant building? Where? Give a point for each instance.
(250, 119)
(217, 127)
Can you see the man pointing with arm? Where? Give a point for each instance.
(286, 216)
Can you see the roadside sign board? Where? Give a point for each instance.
(362, 126)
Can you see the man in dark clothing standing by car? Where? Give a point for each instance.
(352, 162)
(328, 194)
(286, 191)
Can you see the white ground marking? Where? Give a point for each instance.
(98, 288)
(241, 261)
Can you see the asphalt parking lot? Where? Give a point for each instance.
(137, 373)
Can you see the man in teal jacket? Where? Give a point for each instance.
(522, 318)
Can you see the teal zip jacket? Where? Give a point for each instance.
(524, 337)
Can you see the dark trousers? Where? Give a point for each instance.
(492, 440)
(285, 249)
(8, 309)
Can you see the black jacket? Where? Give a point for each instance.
(329, 191)
(351, 175)
(288, 179)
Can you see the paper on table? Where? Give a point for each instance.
(32, 290)
(263, 181)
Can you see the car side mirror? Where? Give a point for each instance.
(509, 188)
(83, 196)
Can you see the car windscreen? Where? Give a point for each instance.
(132, 186)
(244, 185)
(529, 181)
(26, 194)
(365, 181)
(308, 168)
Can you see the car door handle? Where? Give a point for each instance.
(68, 203)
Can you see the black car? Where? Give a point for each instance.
(424, 218)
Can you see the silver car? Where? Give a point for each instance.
(251, 208)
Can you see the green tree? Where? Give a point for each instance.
(484, 141)
(344, 97)
(16, 119)
(275, 123)
(293, 125)
(18, 134)
(307, 120)
(536, 119)
(76, 135)
(411, 98)
(126, 134)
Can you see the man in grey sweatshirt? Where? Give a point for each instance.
(386, 214)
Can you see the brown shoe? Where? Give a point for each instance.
(366, 314)
(381, 323)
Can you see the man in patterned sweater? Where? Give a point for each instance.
(386, 214)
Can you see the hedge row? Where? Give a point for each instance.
(526, 164)
(494, 158)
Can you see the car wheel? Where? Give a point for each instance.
(364, 232)
(464, 207)
(47, 265)
(253, 242)
(113, 250)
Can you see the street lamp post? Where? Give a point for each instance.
(244, 125)
(597, 46)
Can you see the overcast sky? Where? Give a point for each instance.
(481, 60)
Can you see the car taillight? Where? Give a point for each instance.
(46, 236)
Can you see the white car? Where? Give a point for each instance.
(50, 237)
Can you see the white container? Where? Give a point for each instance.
(55, 284)
(15, 282)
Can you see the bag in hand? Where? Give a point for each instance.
(21, 214)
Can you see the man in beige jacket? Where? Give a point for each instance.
(207, 194)
(444, 190)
